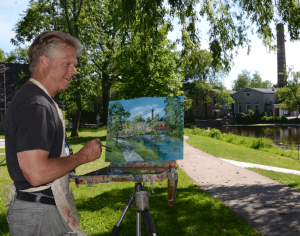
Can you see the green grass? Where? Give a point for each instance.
(263, 144)
(291, 180)
(235, 152)
(195, 212)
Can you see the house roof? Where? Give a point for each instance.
(11, 80)
(261, 90)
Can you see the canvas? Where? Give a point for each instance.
(148, 129)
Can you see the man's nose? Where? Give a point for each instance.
(73, 70)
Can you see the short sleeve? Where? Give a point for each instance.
(35, 129)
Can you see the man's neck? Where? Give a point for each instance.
(43, 81)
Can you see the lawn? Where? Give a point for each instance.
(195, 212)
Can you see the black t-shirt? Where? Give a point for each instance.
(31, 123)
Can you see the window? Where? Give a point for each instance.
(196, 101)
(240, 108)
(256, 109)
(247, 107)
(185, 113)
(214, 100)
(196, 113)
(248, 94)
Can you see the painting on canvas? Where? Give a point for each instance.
(148, 129)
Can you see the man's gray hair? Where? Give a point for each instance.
(45, 44)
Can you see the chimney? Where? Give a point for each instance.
(281, 63)
(152, 114)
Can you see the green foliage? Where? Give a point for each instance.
(244, 80)
(290, 94)
(23, 78)
(276, 119)
(214, 133)
(18, 55)
(116, 118)
(174, 113)
(260, 143)
(138, 119)
(176, 133)
(224, 99)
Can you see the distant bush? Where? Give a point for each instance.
(276, 119)
(254, 118)
(215, 133)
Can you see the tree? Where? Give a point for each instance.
(174, 112)
(18, 55)
(289, 95)
(244, 80)
(224, 100)
(230, 21)
(63, 15)
(256, 81)
(152, 68)
(117, 118)
(2, 56)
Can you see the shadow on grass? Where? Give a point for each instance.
(3, 225)
(195, 213)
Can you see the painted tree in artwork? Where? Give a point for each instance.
(117, 117)
(174, 113)
(155, 124)
(138, 119)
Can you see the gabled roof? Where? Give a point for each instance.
(11, 80)
(261, 90)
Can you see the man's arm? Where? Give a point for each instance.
(38, 169)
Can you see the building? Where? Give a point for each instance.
(9, 82)
(257, 99)
(211, 109)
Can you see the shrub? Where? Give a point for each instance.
(215, 133)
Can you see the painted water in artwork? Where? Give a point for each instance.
(148, 129)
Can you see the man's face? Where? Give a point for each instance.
(62, 68)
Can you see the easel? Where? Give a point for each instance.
(142, 207)
(154, 173)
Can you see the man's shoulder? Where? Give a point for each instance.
(32, 94)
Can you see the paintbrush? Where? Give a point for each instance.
(107, 148)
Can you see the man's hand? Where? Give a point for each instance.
(92, 150)
(38, 169)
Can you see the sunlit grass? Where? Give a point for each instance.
(291, 180)
(235, 152)
(195, 212)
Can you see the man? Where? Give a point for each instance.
(37, 160)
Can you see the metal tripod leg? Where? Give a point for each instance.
(128, 204)
(148, 223)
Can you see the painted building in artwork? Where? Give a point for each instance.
(162, 126)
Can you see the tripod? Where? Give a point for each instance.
(142, 207)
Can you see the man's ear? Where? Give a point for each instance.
(44, 61)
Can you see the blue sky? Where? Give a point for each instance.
(258, 60)
(144, 106)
